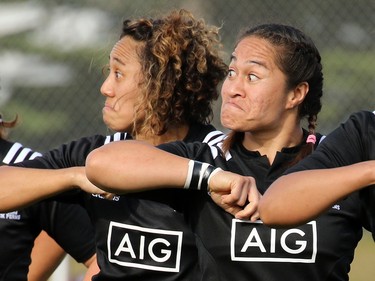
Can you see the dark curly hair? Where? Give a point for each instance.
(182, 68)
(300, 61)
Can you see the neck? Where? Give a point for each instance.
(174, 133)
(269, 143)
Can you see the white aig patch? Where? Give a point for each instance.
(256, 242)
(147, 248)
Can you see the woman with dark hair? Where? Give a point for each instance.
(24, 232)
(274, 81)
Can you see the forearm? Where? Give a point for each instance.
(45, 258)
(299, 197)
(23, 186)
(128, 166)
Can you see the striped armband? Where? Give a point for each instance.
(198, 175)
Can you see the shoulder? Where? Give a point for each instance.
(98, 140)
(361, 119)
(358, 127)
(15, 152)
(4, 148)
(203, 133)
(73, 153)
(117, 137)
(88, 143)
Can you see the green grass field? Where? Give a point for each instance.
(363, 268)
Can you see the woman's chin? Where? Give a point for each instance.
(229, 122)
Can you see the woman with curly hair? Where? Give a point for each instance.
(162, 79)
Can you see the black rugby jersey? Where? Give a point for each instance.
(319, 250)
(140, 236)
(20, 228)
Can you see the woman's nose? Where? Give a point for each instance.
(235, 87)
(106, 88)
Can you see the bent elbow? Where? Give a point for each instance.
(271, 216)
(94, 167)
(278, 217)
(266, 214)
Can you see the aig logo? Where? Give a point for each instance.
(258, 243)
(147, 248)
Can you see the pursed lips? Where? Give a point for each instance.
(233, 104)
(107, 106)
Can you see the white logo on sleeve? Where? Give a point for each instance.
(10, 216)
(147, 248)
(255, 242)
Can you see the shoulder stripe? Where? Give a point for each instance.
(118, 136)
(215, 141)
(214, 137)
(17, 153)
(107, 139)
(115, 137)
(13, 151)
(23, 155)
(228, 156)
(34, 155)
(214, 151)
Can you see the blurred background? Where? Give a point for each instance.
(52, 54)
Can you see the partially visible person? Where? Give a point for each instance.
(343, 163)
(46, 256)
(23, 239)
(163, 78)
(275, 80)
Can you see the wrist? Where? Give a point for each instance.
(198, 175)
(74, 177)
(210, 177)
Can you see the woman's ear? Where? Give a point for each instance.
(298, 95)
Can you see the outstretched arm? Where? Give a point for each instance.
(301, 196)
(21, 187)
(132, 166)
